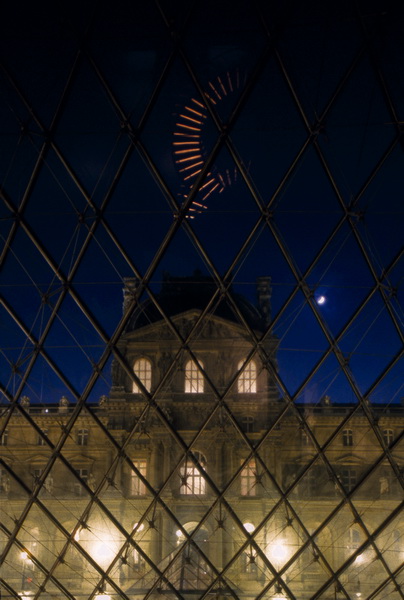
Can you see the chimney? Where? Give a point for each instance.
(129, 289)
(264, 298)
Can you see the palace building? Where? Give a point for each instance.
(196, 476)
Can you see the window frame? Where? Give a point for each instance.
(4, 482)
(82, 436)
(388, 436)
(248, 479)
(349, 478)
(40, 440)
(354, 538)
(194, 381)
(248, 424)
(347, 438)
(247, 380)
(192, 482)
(84, 474)
(137, 487)
(143, 369)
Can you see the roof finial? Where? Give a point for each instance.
(264, 293)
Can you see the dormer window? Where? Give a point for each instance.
(143, 371)
(41, 440)
(194, 383)
(82, 437)
(247, 380)
(388, 436)
(347, 437)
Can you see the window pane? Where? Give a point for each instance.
(137, 486)
(247, 381)
(143, 370)
(194, 383)
(192, 481)
(248, 479)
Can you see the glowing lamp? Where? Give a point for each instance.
(278, 551)
(104, 551)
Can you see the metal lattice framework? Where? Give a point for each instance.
(91, 195)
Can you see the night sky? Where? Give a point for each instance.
(303, 107)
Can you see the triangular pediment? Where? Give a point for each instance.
(211, 327)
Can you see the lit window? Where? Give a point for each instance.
(347, 437)
(41, 440)
(192, 481)
(349, 478)
(4, 438)
(247, 381)
(143, 371)
(82, 437)
(388, 436)
(193, 378)
(137, 487)
(248, 479)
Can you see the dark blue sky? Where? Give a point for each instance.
(88, 105)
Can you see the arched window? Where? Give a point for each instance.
(192, 480)
(195, 573)
(247, 381)
(194, 383)
(143, 371)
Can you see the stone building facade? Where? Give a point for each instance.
(194, 477)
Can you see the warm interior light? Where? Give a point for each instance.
(278, 551)
(103, 552)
